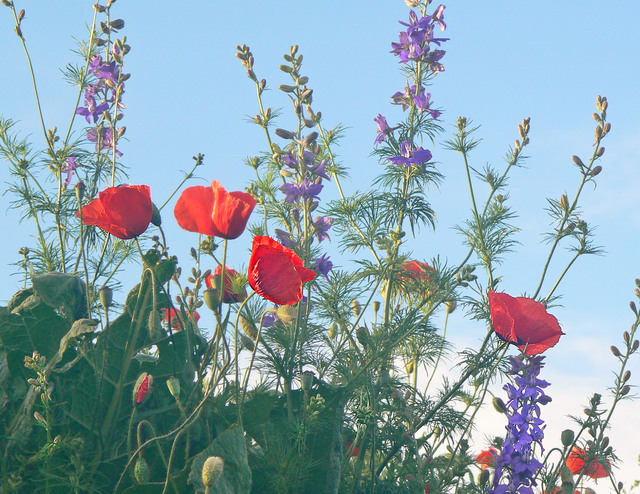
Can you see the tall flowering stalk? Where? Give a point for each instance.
(516, 465)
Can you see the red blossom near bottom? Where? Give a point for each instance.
(525, 322)
(598, 467)
(229, 296)
(174, 320)
(355, 451)
(487, 458)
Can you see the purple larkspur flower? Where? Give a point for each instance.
(103, 137)
(269, 319)
(286, 239)
(516, 466)
(415, 44)
(323, 266)
(412, 95)
(105, 71)
(322, 224)
(92, 110)
(290, 160)
(383, 129)
(320, 169)
(305, 190)
(410, 155)
(69, 169)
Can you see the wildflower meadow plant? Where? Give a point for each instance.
(310, 377)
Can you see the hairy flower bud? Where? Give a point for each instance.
(142, 389)
(566, 475)
(333, 330)
(363, 336)
(156, 219)
(212, 470)
(212, 298)
(625, 390)
(499, 405)
(106, 296)
(287, 313)
(141, 471)
(567, 437)
(249, 328)
(173, 383)
(626, 377)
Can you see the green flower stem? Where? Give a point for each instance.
(574, 204)
(188, 176)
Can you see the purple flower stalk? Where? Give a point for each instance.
(305, 190)
(411, 156)
(516, 467)
(415, 44)
(383, 129)
(69, 169)
(322, 224)
(412, 95)
(103, 137)
(323, 266)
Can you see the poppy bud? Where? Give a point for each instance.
(212, 470)
(80, 187)
(173, 383)
(483, 478)
(589, 490)
(333, 330)
(499, 405)
(142, 389)
(247, 342)
(287, 313)
(615, 351)
(566, 475)
(357, 308)
(106, 296)
(451, 305)
(567, 437)
(604, 443)
(155, 325)
(155, 216)
(212, 298)
(306, 380)
(363, 336)
(249, 328)
(141, 470)
(376, 306)
(410, 367)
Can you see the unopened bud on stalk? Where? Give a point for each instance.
(155, 216)
(589, 490)
(600, 153)
(333, 331)
(604, 443)
(141, 471)
(607, 128)
(615, 351)
(566, 475)
(80, 187)
(451, 305)
(567, 436)
(287, 313)
(247, 342)
(499, 405)
(598, 133)
(212, 470)
(285, 134)
(249, 328)
(483, 478)
(626, 336)
(625, 390)
(578, 161)
(106, 296)
(376, 306)
(632, 304)
(410, 367)
(173, 383)
(626, 376)
(363, 336)
(155, 325)
(635, 345)
(21, 15)
(564, 201)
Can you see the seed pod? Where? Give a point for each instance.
(212, 470)
(376, 306)
(287, 313)
(212, 298)
(410, 367)
(247, 342)
(566, 475)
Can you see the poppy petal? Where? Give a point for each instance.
(194, 208)
(231, 211)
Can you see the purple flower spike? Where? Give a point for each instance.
(383, 129)
(319, 169)
(305, 190)
(411, 156)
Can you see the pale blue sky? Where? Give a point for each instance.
(506, 60)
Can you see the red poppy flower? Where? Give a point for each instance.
(123, 211)
(213, 211)
(356, 449)
(173, 318)
(598, 467)
(487, 457)
(229, 296)
(276, 272)
(525, 322)
(415, 272)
